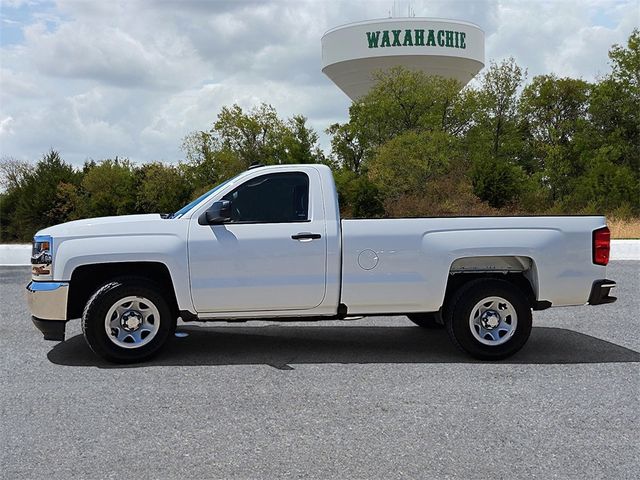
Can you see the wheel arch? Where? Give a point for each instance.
(518, 270)
(86, 279)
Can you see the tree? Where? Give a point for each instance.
(405, 132)
(404, 164)
(494, 143)
(605, 186)
(405, 100)
(498, 106)
(35, 202)
(301, 142)
(109, 189)
(239, 139)
(13, 172)
(207, 165)
(553, 108)
(254, 137)
(625, 63)
(498, 182)
(610, 143)
(615, 104)
(347, 146)
(357, 195)
(553, 113)
(163, 188)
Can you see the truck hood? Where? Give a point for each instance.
(101, 226)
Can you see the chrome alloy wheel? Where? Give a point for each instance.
(493, 321)
(132, 322)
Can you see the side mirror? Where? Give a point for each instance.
(216, 214)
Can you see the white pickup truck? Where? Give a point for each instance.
(269, 244)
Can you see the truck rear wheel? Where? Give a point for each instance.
(127, 320)
(489, 319)
(426, 320)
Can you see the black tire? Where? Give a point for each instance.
(106, 298)
(464, 303)
(431, 320)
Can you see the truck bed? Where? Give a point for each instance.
(401, 265)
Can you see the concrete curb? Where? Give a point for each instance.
(19, 255)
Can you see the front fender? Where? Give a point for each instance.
(168, 249)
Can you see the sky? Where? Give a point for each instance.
(95, 79)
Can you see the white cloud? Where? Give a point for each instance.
(17, 85)
(5, 126)
(560, 36)
(96, 79)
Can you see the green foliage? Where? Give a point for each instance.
(405, 163)
(607, 186)
(239, 139)
(254, 137)
(625, 63)
(31, 201)
(497, 182)
(357, 195)
(301, 142)
(496, 119)
(163, 188)
(347, 146)
(553, 116)
(109, 188)
(406, 100)
(554, 108)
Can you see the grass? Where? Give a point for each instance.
(624, 228)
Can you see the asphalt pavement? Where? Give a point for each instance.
(372, 398)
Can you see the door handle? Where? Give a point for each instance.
(306, 236)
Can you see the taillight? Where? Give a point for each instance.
(601, 245)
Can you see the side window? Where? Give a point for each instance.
(272, 198)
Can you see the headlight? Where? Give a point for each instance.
(41, 257)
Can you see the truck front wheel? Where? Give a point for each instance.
(489, 319)
(127, 320)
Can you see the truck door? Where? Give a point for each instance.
(270, 255)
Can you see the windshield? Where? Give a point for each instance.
(192, 204)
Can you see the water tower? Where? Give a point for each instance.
(352, 53)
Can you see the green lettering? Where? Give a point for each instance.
(385, 39)
(372, 38)
(407, 38)
(431, 39)
(440, 38)
(396, 38)
(457, 39)
(419, 37)
(462, 44)
(448, 35)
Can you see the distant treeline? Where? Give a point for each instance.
(414, 146)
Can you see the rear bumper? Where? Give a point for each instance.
(600, 292)
(48, 300)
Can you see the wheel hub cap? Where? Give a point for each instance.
(131, 320)
(493, 321)
(490, 319)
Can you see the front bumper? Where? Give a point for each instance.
(48, 306)
(600, 292)
(48, 300)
